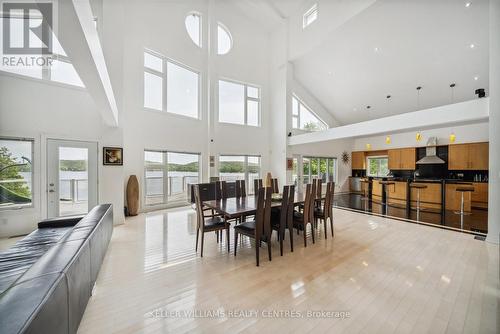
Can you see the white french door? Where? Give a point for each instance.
(71, 177)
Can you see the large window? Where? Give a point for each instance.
(378, 166)
(239, 103)
(303, 118)
(16, 173)
(60, 69)
(240, 167)
(168, 176)
(181, 94)
(319, 168)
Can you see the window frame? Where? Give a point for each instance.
(305, 17)
(31, 205)
(246, 156)
(164, 168)
(246, 98)
(309, 109)
(376, 157)
(164, 78)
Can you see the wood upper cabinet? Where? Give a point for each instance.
(479, 156)
(402, 159)
(468, 156)
(358, 160)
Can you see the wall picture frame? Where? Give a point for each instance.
(112, 156)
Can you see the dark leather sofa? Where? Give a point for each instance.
(50, 294)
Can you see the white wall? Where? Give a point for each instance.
(470, 133)
(39, 110)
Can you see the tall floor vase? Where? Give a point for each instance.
(133, 195)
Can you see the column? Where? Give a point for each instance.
(494, 126)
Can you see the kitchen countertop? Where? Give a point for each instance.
(428, 180)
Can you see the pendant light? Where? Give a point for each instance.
(418, 136)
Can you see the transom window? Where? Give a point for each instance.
(170, 87)
(193, 27)
(310, 16)
(240, 167)
(224, 39)
(16, 173)
(378, 166)
(168, 176)
(304, 119)
(239, 103)
(319, 167)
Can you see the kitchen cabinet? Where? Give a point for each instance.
(430, 197)
(358, 160)
(397, 194)
(468, 156)
(479, 197)
(402, 159)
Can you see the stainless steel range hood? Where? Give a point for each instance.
(430, 153)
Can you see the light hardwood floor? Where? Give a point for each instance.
(391, 276)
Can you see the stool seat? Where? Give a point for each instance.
(387, 182)
(465, 189)
(418, 186)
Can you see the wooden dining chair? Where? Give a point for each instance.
(260, 228)
(324, 213)
(208, 224)
(301, 219)
(275, 186)
(257, 184)
(241, 186)
(282, 219)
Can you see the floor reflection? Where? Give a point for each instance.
(477, 222)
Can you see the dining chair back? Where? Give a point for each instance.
(257, 184)
(275, 186)
(243, 188)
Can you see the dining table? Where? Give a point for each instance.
(235, 207)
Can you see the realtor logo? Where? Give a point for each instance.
(27, 28)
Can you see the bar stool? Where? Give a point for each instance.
(462, 213)
(386, 184)
(418, 187)
(367, 183)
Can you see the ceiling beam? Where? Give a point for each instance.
(78, 36)
(458, 113)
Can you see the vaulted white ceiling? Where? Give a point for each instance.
(392, 47)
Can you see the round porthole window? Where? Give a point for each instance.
(193, 27)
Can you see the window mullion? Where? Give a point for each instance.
(166, 183)
(246, 104)
(164, 92)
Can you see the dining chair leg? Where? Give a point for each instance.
(312, 232)
(291, 239)
(269, 249)
(197, 234)
(227, 235)
(281, 246)
(257, 253)
(331, 225)
(202, 238)
(217, 234)
(235, 242)
(326, 230)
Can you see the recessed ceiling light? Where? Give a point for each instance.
(388, 96)
(476, 78)
(375, 49)
(330, 73)
(368, 107)
(472, 46)
(354, 109)
(468, 4)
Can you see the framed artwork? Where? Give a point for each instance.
(289, 164)
(112, 156)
